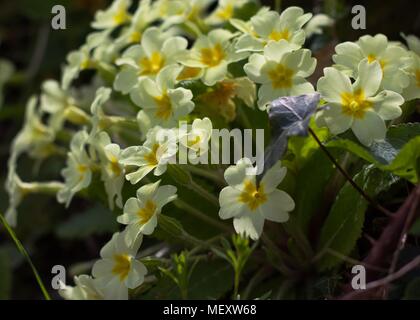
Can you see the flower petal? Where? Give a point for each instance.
(136, 275)
(389, 105)
(251, 225)
(369, 77)
(229, 205)
(273, 177)
(369, 129)
(333, 84)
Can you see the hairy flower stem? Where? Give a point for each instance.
(236, 284)
(213, 176)
(200, 215)
(204, 193)
(277, 5)
(347, 176)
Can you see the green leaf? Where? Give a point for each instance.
(312, 183)
(302, 148)
(399, 153)
(97, 220)
(5, 275)
(344, 223)
(169, 229)
(209, 280)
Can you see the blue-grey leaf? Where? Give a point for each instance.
(289, 116)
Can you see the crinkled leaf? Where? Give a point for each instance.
(309, 195)
(399, 153)
(209, 280)
(344, 223)
(169, 229)
(289, 116)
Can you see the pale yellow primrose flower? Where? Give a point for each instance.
(116, 15)
(78, 173)
(268, 26)
(221, 98)
(119, 270)
(224, 11)
(358, 106)
(60, 105)
(112, 172)
(84, 289)
(196, 139)
(159, 148)
(413, 43)
(82, 59)
(156, 51)
(141, 213)
(213, 53)
(174, 12)
(17, 190)
(35, 137)
(317, 22)
(162, 104)
(281, 70)
(392, 58)
(413, 89)
(250, 204)
(76, 61)
(102, 95)
(141, 19)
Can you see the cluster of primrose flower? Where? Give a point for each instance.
(144, 62)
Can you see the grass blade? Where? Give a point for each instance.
(26, 255)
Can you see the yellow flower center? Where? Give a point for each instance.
(281, 77)
(225, 91)
(163, 107)
(355, 104)
(85, 64)
(146, 212)
(225, 13)
(115, 166)
(220, 99)
(212, 56)
(418, 78)
(120, 16)
(252, 196)
(82, 168)
(151, 157)
(193, 141)
(152, 65)
(38, 131)
(188, 73)
(122, 265)
(135, 36)
(372, 58)
(194, 13)
(278, 35)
